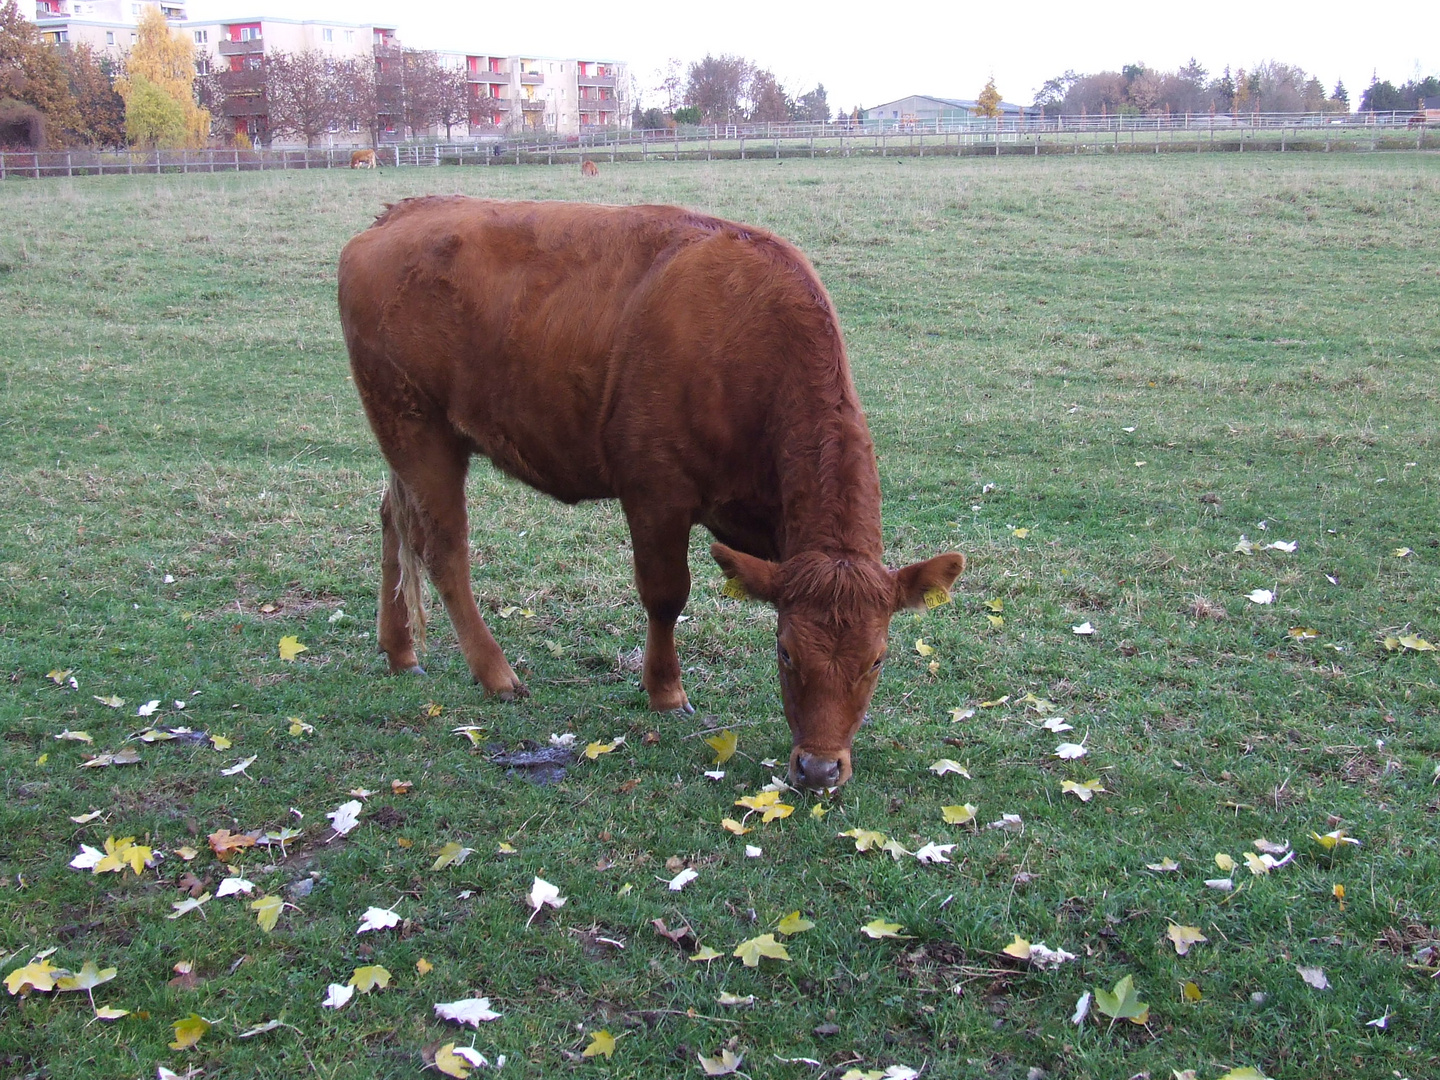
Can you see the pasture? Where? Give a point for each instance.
(1092, 377)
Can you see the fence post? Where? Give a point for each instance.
(70, 168)
(2, 165)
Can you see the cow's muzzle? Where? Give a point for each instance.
(819, 771)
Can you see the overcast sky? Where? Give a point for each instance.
(882, 51)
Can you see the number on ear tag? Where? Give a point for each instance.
(734, 589)
(936, 597)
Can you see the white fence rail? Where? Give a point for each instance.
(1002, 136)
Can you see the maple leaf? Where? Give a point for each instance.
(58, 677)
(865, 839)
(190, 903)
(120, 854)
(595, 749)
(996, 605)
(724, 745)
(148, 709)
(112, 701)
(759, 801)
(541, 894)
(127, 756)
(601, 1042)
(234, 884)
(1418, 644)
(1313, 976)
(959, 815)
(261, 1028)
(732, 826)
(818, 811)
(452, 854)
(39, 975)
(1224, 862)
(75, 736)
(189, 1031)
(752, 951)
(300, 727)
(726, 1064)
(267, 911)
(793, 924)
(1244, 1072)
(1056, 724)
(1007, 823)
(88, 858)
(946, 765)
(87, 978)
(997, 622)
(449, 1062)
(1019, 948)
(225, 843)
(378, 919)
(774, 811)
(109, 1012)
(1260, 596)
(922, 648)
(472, 1011)
(879, 928)
(344, 817)
(1084, 792)
(1190, 991)
(337, 996)
(1122, 1003)
(1164, 866)
(704, 955)
(423, 967)
(896, 850)
(1182, 937)
(934, 853)
(1270, 848)
(220, 742)
(290, 647)
(1069, 751)
(240, 766)
(367, 978)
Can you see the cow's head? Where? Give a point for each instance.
(834, 621)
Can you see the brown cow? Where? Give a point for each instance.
(691, 368)
(589, 168)
(363, 159)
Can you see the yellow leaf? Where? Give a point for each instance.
(727, 1064)
(1224, 862)
(36, 975)
(42, 759)
(778, 810)
(1020, 533)
(997, 605)
(595, 749)
(1190, 991)
(1019, 948)
(793, 924)
(936, 597)
(818, 811)
(58, 677)
(1245, 1072)
(1403, 553)
(959, 815)
(865, 839)
(1331, 840)
(220, 742)
(759, 801)
(724, 746)
(1303, 633)
(368, 978)
(922, 648)
(112, 700)
(863, 1074)
(423, 966)
(997, 622)
(300, 727)
(1084, 792)
(1339, 893)
(506, 848)
(290, 647)
(109, 1012)
(733, 826)
(1419, 644)
(879, 928)
(704, 954)
(452, 854)
(267, 911)
(433, 709)
(189, 1031)
(401, 787)
(602, 1042)
(75, 736)
(1182, 937)
(996, 703)
(451, 1063)
(750, 952)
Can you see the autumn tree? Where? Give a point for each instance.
(770, 104)
(357, 98)
(988, 103)
(301, 94)
(422, 89)
(100, 111)
(453, 101)
(718, 87)
(159, 87)
(32, 73)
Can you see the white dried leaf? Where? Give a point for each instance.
(1007, 823)
(934, 853)
(1084, 629)
(1056, 724)
(680, 880)
(337, 996)
(752, 852)
(344, 817)
(240, 766)
(472, 1011)
(1313, 976)
(148, 708)
(1070, 751)
(568, 739)
(232, 885)
(1260, 596)
(87, 858)
(1223, 884)
(1082, 1009)
(376, 918)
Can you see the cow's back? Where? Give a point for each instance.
(587, 350)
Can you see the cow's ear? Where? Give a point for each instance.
(927, 584)
(745, 574)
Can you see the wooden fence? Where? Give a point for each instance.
(1361, 132)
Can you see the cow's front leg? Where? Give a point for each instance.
(661, 539)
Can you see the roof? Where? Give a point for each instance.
(965, 104)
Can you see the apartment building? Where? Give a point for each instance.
(509, 93)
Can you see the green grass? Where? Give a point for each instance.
(176, 405)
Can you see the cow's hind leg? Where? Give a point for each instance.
(427, 508)
(661, 539)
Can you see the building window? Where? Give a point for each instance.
(109, 37)
(202, 36)
(202, 66)
(249, 33)
(327, 34)
(349, 37)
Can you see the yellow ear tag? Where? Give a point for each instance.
(936, 597)
(735, 590)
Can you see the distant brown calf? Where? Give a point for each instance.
(689, 367)
(363, 159)
(589, 168)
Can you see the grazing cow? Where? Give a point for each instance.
(363, 159)
(689, 367)
(589, 168)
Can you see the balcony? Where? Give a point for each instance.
(241, 82)
(533, 106)
(500, 77)
(589, 104)
(241, 48)
(595, 80)
(246, 106)
(531, 78)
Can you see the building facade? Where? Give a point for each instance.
(508, 93)
(921, 109)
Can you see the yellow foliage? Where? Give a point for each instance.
(159, 87)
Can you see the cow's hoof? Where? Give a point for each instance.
(685, 710)
(415, 669)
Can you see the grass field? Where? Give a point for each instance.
(1138, 360)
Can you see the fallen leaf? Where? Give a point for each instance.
(1122, 1003)
(37, 975)
(261, 1029)
(1302, 633)
(337, 996)
(1223, 884)
(290, 647)
(112, 701)
(75, 736)
(595, 749)
(267, 911)
(1224, 862)
(191, 903)
(733, 826)
(1418, 644)
(1019, 948)
(865, 839)
(1084, 792)
(109, 1012)
(1070, 751)
(58, 677)
(128, 756)
(1331, 840)
(601, 1042)
(680, 880)
(1056, 724)
(1007, 823)
(724, 745)
(423, 967)
(378, 919)
(1182, 937)
(922, 648)
(225, 843)
(1244, 1072)
(959, 815)
(452, 854)
(365, 979)
(189, 1031)
(449, 1062)
(752, 951)
(1190, 991)
(1403, 553)
(1083, 630)
(753, 852)
(1166, 865)
(726, 1064)
(946, 765)
(1287, 546)
(818, 811)
(344, 817)
(1082, 1009)
(85, 819)
(793, 924)
(541, 894)
(240, 766)
(704, 955)
(934, 853)
(472, 1011)
(734, 1000)
(1313, 976)
(879, 928)
(87, 978)
(1260, 596)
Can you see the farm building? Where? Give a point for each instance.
(918, 108)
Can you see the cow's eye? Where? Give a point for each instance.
(784, 656)
(879, 663)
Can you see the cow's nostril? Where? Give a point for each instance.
(816, 772)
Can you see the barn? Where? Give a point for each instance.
(919, 108)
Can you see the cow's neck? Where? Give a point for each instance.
(829, 484)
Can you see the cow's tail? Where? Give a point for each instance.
(411, 586)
